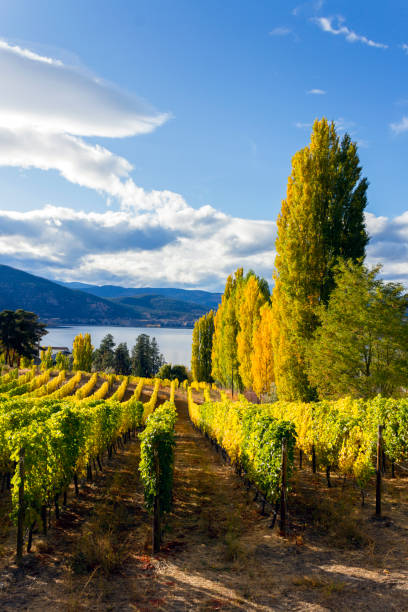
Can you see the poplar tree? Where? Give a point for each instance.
(321, 221)
(262, 354)
(251, 299)
(202, 348)
(224, 350)
(82, 353)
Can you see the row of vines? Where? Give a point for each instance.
(53, 431)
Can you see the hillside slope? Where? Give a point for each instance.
(205, 299)
(57, 304)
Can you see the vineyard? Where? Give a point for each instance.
(62, 433)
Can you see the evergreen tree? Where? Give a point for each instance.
(146, 358)
(20, 335)
(361, 346)
(103, 357)
(121, 361)
(82, 353)
(321, 221)
(156, 357)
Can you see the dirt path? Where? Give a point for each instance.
(219, 552)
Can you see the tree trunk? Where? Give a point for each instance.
(378, 473)
(283, 501)
(21, 507)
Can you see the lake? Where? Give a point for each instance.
(174, 344)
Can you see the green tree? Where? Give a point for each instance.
(62, 361)
(361, 346)
(103, 357)
(203, 333)
(225, 362)
(146, 358)
(121, 361)
(321, 221)
(20, 335)
(171, 372)
(82, 353)
(46, 359)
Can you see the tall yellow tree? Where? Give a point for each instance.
(262, 353)
(321, 221)
(224, 349)
(82, 353)
(251, 300)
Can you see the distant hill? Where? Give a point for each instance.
(161, 308)
(57, 304)
(205, 298)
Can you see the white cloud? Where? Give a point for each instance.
(303, 126)
(326, 24)
(45, 94)
(404, 47)
(400, 127)
(389, 245)
(164, 246)
(316, 92)
(46, 108)
(280, 31)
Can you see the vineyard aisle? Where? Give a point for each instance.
(218, 551)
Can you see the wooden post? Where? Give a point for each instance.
(378, 473)
(156, 512)
(313, 459)
(21, 506)
(283, 508)
(300, 459)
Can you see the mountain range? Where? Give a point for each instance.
(58, 303)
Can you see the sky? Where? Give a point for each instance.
(148, 143)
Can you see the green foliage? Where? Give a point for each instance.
(361, 346)
(173, 372)
(157, 457)
(146, 358)
(46, 359)
(251, 437)
(103, 357)
(59, 438)
(121, 359)
(82, 353)
(20, 334)
(321, 220)
(62, 361)
(234, 324)
(202, 348)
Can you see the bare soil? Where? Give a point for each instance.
(219, 552)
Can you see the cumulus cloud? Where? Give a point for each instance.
(316, 92)
(389, 245)
(186, 246)
(335, 25)
(401, 126)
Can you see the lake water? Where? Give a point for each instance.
(174, 344)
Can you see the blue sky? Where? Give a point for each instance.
(199, 107)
